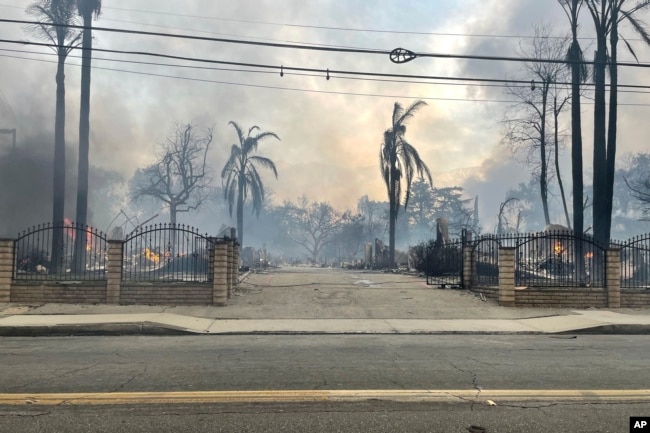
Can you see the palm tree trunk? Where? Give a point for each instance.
(600, 145)
(392, 216)
(84, 137)
(58, 193)
(611, 132)
(240, 212)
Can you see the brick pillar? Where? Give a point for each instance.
(235, 259)
(219, 283)
(236, 273)
(230, 261)
(507, 276)
(114, 275)
(6, 268)
(468, 275)
(613, 277)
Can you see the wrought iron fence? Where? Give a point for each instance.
(559, 259)
(444, 263)
(63, 251)
(168, 252)
(485, 260)
(635, 262)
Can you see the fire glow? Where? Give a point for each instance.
(150, 255)
(70, 232)
(558, 249)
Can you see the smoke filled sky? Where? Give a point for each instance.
(330, 130)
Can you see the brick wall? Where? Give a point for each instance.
(88, 292)
(635, 298)
(561, 298)
(6, 268)
(167, 294)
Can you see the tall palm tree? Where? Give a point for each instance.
(399, 161)
(53, 16)
(575, 60)
(241, 175)
(607, 15)
(86, 9)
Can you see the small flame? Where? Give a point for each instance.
(589, 255)
(150, 255)
(558, 249)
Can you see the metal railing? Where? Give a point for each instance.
(166, 252)
(558, 259)
(444, 264)
(485, 260)
(635, 262)
(60, 252)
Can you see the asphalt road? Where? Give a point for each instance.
(476, 365)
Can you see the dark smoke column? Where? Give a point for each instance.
(86, 8)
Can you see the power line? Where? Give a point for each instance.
(298, 89)
(348, 29)
(307, 26)
(323, 48)
(323, 72)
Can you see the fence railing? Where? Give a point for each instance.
(168, 252)
(485, 260)
(558, 259)
(635, 262)
(444, 263)
(62, 251)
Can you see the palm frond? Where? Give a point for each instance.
(637, 25)
(265, 162)
(410, 112)
(240, 133)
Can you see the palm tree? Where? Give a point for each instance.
(575, 59)
(607, 15)
(86, 9)
(398, 160)
(241, 174)
(53, 17)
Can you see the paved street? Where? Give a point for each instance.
(475, 366)
(373, 380)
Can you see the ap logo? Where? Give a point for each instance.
(639, 424)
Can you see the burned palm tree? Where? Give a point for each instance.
(399, 163)
(87, 9)
(54, 17)
(241, 175)
(607, 15)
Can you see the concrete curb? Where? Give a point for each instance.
(107, 329)
(156, 329)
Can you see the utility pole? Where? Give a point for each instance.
(13, 132)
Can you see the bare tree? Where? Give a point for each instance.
(179, 178)
(641, 192)
(526, 122)
(312, 226)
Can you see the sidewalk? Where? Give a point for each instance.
(321, 301)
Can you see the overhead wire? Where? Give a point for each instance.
(322, 48)
(232, 83)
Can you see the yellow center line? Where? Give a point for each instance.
(301, 396)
